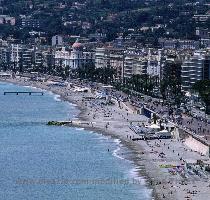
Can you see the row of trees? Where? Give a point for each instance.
(104, 75)
(168, 88)
(142, 83)
(203, 88)
(170, 84)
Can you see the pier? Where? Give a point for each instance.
(30, 93)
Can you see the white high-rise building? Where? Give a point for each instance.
(154, 63)
(110, 57)
(133, 65)
(192, 70)
(100, 57)
(57, 40)
(15, 54)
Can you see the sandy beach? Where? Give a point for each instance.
(114, 120)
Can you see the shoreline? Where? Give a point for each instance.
(142, 174)
(143, 153)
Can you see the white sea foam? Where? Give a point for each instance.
(57, 97)
(98, 136)
(117, 141)
(133, 173)
(79, 129)
(137, 180)
(102, 137)
(72, 104)
(115, 153)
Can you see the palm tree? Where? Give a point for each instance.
(203, 87)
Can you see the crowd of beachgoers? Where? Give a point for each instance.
(170, 167)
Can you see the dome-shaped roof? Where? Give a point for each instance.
(77, 44)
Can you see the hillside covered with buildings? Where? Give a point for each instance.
(160, 48)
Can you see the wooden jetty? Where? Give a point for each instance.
(30, 93)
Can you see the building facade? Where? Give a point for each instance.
(57, 40)
(195, 68)
(74, 58)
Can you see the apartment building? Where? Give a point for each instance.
(27, 58)
(57, 40)
(110, 57)
(5, 19)
(133, 65)
(195, 68)
(179, 44)
(30, 22)
(155, 62)
(101, 57)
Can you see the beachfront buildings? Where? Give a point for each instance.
(204, 36)
(126, 62)
(20, 57)
(74, 58)
(15, 55)
(195, 68)
(155, 62)
(101, 55)
(131, 61)
(134, 65)
(110, 57)
(27, 58)
(117, 62)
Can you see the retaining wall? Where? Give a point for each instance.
(197, 145)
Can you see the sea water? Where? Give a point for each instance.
(40, 162)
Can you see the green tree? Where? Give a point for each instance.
(203, 88)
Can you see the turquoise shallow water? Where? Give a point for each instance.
(44, 162)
